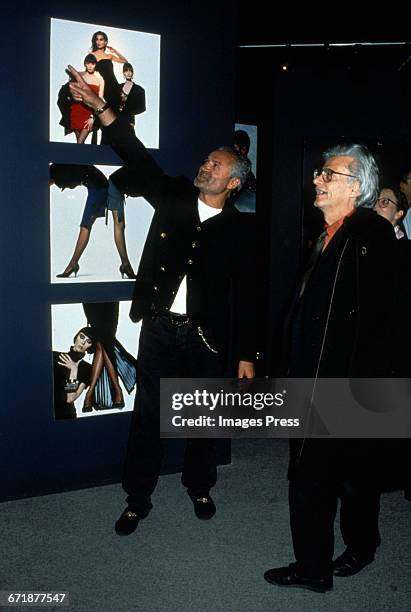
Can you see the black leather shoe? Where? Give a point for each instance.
(204, 506)
(287, 576)
(127, 523)
(350, 563)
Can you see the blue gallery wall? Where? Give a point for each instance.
(37, 453)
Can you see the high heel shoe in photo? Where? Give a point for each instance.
(120, 403)
(126, 269)
(69, 271)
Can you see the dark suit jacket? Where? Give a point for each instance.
(343, 326)
(135, 103)
(217, 256)
(64, 102)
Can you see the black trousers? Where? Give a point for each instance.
(167, 350)
(328, 470)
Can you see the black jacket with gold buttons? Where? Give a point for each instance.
(217, 256)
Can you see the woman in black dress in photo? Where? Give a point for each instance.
(105, 56)
(71, 374)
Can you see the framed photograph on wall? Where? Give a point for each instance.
(97, 227)
(94, 368)
(122, 66)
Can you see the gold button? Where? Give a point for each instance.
(163, 235)
(190, 261)
(155, 288)
(162, 268)
(194, 244)
(198, 228)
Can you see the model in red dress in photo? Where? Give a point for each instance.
(81, 119)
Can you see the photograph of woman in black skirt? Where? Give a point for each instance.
(111, 361)
(97, 374)
(103, 195)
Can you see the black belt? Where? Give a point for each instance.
(174, 318)
(178, 319)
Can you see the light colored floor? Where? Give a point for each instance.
(176, 563)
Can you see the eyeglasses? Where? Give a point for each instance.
(384, 202)
(327, 174)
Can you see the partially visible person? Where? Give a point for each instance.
(392, 205)
(405, 187)
(75, 116)
(132, 96)
(340, 326)
(245, 198)
(111, 361)
(71, 176)
(64, 102)
(105, 56)
(81, 119)
(242, 142)
(242, 145)
(403, 197)
(197, 273)
(102, 194)
(71, 375)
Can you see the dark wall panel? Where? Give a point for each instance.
(196, 114)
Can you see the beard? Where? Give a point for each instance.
(202, 182)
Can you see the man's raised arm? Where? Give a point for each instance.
(147, 177)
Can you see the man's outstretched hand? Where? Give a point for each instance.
(81, 92)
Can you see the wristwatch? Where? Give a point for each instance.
(100, 110)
